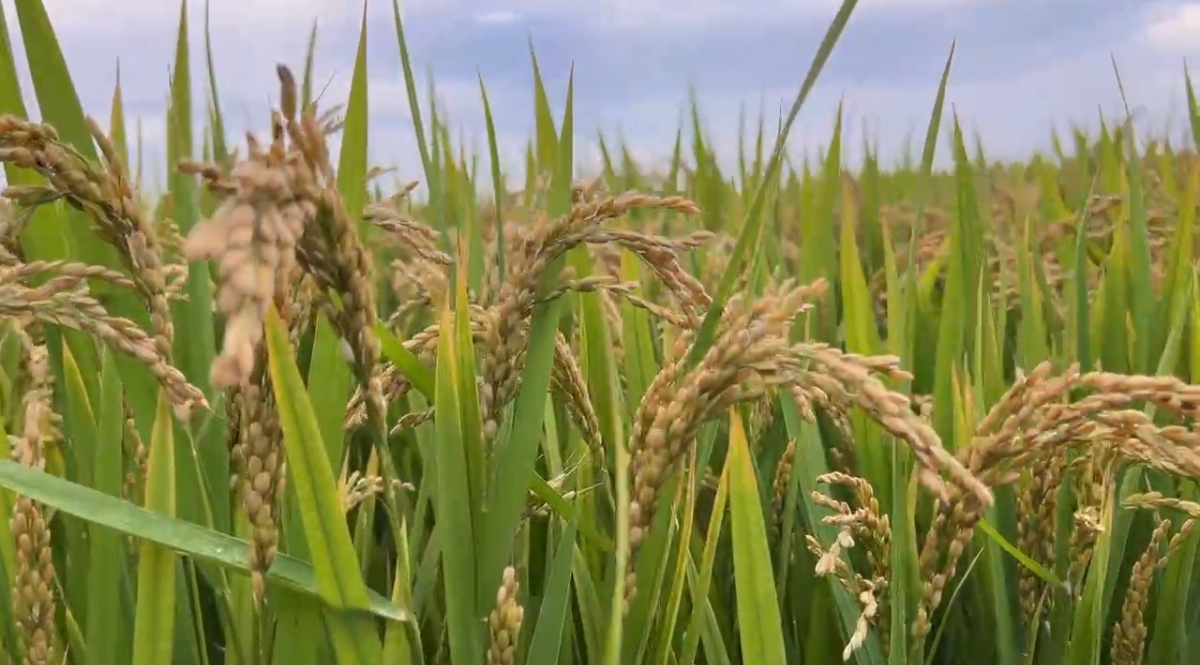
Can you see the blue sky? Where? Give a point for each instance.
(1020, 67)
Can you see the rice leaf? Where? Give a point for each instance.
(154, 623)
(758, 608)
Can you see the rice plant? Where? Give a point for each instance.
(288, 412)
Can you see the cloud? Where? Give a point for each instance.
(1017, 72)
(1175, 27)
(497, 17)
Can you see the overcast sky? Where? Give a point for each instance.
(1020, 67)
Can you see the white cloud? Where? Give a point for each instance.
(675, 15)
(497, 17)
(1176, 27)
(134, 15)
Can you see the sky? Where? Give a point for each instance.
(1020, 69)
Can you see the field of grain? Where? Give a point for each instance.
(293, 412)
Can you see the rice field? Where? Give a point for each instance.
(292, 412)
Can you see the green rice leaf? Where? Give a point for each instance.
(759, 622)
(154, 624)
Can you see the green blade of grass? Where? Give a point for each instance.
(546, 644)
(819, 255)
(454, 512)
(195, 342)
(184, 537)
(338, 580)
(515, 461)
(1036, 568)
(749, 238)
(104, 628)
(929, 147)
(1141, 289)
(330, 384)
(498, 189)
(906, 573)
(759, 622)
(1088, 627)
(310, 55)
(402, 639)
(298, 635)
(567, 512)
(116, 121)
(470, 433)
(913, 326)
(652, 565)
(428, 165)
(545, 133)
(518, 448)
(154, 623)
(700, 583)
(80, 428)
(352, 163)
(677, 577)
(1182, 253)
(420, 376)
(219, 147)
